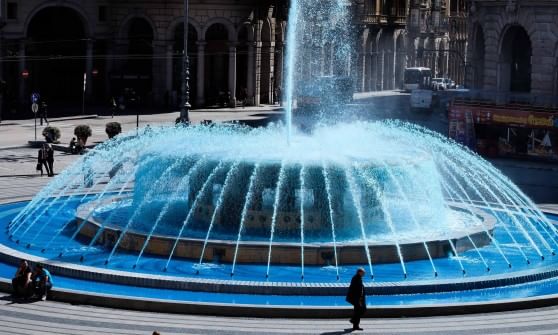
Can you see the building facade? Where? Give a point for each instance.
(235, 48)
(437, 34)
(513, 46)
(408, 33)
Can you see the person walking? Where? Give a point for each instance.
(357, 297)
(21, 283)
(43, 112)
(42, 159)
(113, 107)
(50, 160)
(43, 281)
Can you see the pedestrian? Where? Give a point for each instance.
(80, 146)
(21, 283)
(43, 112)
(50, 160)
(278, 95)
(72, 146)
(43, 281)
(113, 106)
(42, 159)
(357, 297)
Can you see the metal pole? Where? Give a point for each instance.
(83, 103)
(185, 105)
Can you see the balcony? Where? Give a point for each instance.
(375, 19)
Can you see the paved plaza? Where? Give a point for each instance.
(50, 317)
(19, 181)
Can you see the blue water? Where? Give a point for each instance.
(519, 291)
(389, 272)
(448, 268)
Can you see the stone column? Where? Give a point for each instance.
(279, 66)
(394, 69)
(367, 73)
(159, 72)
(22, 98)
(89, 69)
(361, 68)
(251, 73)
(168, 70)
(381, 70)
(200, 99)
(258, 68)
(232, 73)
(108, 68)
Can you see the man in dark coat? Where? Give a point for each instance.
(42, 159)
(357, 297)
(50, 160)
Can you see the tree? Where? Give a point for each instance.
(51, 134)
(83, 132)
(112, 129)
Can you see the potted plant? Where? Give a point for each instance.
(112, 129)
(51, 134)
(82, 132)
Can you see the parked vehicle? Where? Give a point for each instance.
(439, 84)
(450, 84)
(421, 100)
(417, 78)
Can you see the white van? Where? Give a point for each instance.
(421, 100)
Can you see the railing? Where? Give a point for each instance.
(373, 19)
(398, 20)
(381, 19)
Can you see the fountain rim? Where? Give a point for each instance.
(68, 269)
(12, 256)
(126, 302)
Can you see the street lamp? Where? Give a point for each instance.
(185, 104)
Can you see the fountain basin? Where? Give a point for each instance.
(316, 253)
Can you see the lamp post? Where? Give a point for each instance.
(185, 103)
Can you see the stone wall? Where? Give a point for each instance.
(263, 20)
(495, 19)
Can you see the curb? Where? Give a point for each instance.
(295, 311)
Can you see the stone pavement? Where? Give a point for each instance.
(50, 317)
(16, 133)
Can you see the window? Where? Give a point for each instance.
(12, 11)
(102, 13)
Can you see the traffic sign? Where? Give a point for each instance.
(35, 108)
(35, 97)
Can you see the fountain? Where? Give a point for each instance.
(279, 211)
